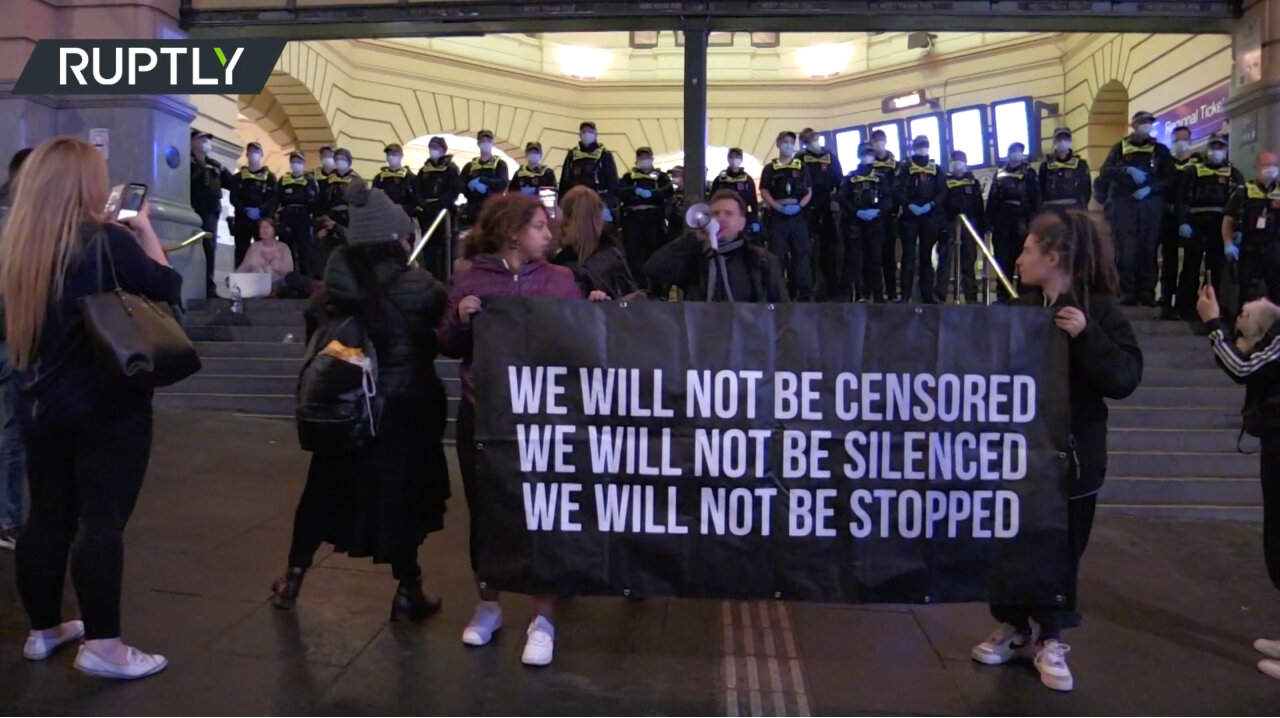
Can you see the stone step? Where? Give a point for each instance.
(265, 318)
(232, 384)
(256, 404)
(1174, 342)
(1157, 376)
(1175, 440)
(1201, 358)
(249, 350)
(250, 305)
(1129, 416)
(249, 366)
(1150, 327)
(1182, 491)
(283, 335)
(1182, 464)
(1186, 396)
(1184, 512)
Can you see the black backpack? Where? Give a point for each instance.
(338, 405)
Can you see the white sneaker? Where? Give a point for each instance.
(37, 648)
(1051, 661)
(484, 622)
(1270, 667)
(1005, 643)
(540, 643)
(137, 665)
(1267, 647)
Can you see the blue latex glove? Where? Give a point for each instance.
(755, 228)
(927, 208)
(531, 191)
(866, 215)
(253, 213)
(789, 210)
(1184, 231)
(608, 216)
(478, 187)
(642, 192)
(1232, 251)
(919, 209)
(1142, 193)
(1138, 175)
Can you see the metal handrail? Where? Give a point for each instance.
(989, 264)
(443, 216)
(189, 241)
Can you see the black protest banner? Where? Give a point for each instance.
(844, 453)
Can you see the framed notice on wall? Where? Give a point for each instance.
(1248, 51)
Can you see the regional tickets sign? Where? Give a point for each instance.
(825, 452)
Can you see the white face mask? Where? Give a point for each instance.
(1144, 129)
(1217, 156)
(1016, 158)
(1181, 147)
(297, 167)
(787, 148)
(879, 145)
(486, 148)
(588, 138)
(206, 146)
(735, 162)
(436, 154)
(343, 165)
(1269, 174)
(645, 164)
(677, 180)
(327, 162)
(255, 159)
(535, 158)
(959, 168)
(867, 159)
(393, 161)
(1062, 145)
(922, 151)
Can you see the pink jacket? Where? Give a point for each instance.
(488, 277)
(272, 258)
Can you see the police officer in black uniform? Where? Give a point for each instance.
(1064, 176)
(484, 177)
(644, 193)
(784, 187)
(327, 164)
(1134, 180)
(1171, 228)
(397, 181)
(439, 184)
(921, 191)
(208, 178)
(1251, 231)
(865, 197)
(590, 163)
(253, 194)
(533, 176)
(964, 196)
(1203, 192)
(1014, 197)
(825, 176)
(333, 189)
(297, 192)
(737, 179)
(887, 165)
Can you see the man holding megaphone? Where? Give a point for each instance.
(713, 262)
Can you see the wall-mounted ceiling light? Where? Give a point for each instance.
(825, 60)
(583, 63)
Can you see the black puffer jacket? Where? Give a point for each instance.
(402, 322)
(754, 273)
(605, 271)
(1105, 363)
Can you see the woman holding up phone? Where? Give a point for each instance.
(88, 439)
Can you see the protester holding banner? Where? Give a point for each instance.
(588, 249)
(508, 247)
(728, 269)
(383, 498)
(1071, 264)
(1254, 360)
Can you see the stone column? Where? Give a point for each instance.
(1253, 108)
(148, 135)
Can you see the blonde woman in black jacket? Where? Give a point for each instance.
(1253, 359)
(1070, 264)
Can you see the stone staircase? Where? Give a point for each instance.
(1172, 444)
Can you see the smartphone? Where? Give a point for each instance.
(1208, 277)
(131, 200)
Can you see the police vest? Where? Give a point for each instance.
(964, 194)
(584, 166)
(820, 164)
(526, 173)
(335, 191)
(740, 183)
(1141, 156)
(1209, 188)
(295, 190)
(866, 189)
(788, 179)
(1061, 178)
(647, 180)
(922, 181)
(433, 179)
(395, 183)
(1011, 186)
(477, 166)
(886, 167)
(253, 189)
(1258, 211)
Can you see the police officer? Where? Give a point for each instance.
(327, 164)
(1171, 228)
(397, 181)
(1134, 180)
(590, 163)
(784, 187)
(644, 193)
(253, 194)
(534, 176)
(1014, 197)
(964, 196)
(864, 197)
(439, 184)
(1251, 231)
(887, 165)
(676, 208)
(1064, 175)
(1203, 192)
(297, 192)
(208, 177)
(921, 191)
(737, 179)
(825, 177)
(484, 177)
(333, 188)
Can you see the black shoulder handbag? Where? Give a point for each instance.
(136, 341)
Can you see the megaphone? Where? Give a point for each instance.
(698, 216)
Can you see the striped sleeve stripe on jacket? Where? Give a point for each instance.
(1240, 366)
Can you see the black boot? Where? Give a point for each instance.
(411, 604)
(284, 592)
